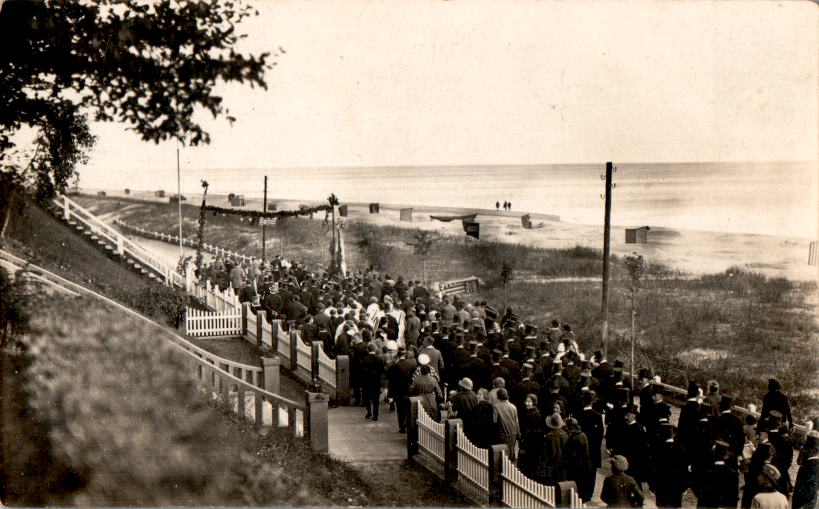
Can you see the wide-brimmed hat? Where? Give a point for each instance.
(554, 421)
(466, 383)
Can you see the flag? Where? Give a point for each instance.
(342, 258)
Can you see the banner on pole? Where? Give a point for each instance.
(406, 215)
(269, 222)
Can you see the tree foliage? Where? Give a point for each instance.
(148, 64)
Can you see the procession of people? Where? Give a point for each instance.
(560, 411)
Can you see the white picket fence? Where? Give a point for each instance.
(430, 436)
(304, 355)
(473, 462)
(521, 492)
(213, 323)
(327, 370)
(216, 298)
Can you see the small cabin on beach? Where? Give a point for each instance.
(637, 235)
(526, 222)
(406, 215)
(159, 194)
(374, 208)
(238, 200)
(342, 210)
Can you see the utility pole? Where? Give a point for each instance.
(264, 227)
(179, 198)
(604, 336)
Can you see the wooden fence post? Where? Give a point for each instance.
(294, 352)
(495, 479)
(315, 425)
(261, 319)
(343, 380)
(315, 348)
(245, 311)
(66, 208)
(271, 374)
(451, 449)
(412, 427)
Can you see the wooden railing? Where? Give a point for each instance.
(200, 323)
(71, 211)
(250, 390)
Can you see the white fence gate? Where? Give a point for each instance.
(213, 323)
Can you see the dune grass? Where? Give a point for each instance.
(736, 326)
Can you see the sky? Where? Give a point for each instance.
(457, 82)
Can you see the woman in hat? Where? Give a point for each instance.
(619, 489)
(552, 468)
(531, 428)
(768, 497)
(429, 390)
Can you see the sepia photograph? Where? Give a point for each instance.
(393, 253)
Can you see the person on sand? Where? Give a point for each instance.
(497, 205)
(504, 205)
(619, 489)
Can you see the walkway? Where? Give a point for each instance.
(356, 440)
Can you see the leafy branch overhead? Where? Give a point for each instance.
(148, 64)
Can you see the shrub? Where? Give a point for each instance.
(162, 302)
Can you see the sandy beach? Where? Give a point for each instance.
(685, 250)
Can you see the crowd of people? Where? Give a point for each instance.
(559, 411)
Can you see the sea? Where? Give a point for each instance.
(756, 198)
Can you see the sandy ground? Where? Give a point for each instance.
(685, 250)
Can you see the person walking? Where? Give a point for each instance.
(775, 400)
(578, 460)
(619, 489)
(670, 475)
(552, 469)
(372, 369)
(806, 487)
(399, 377)
(505, 417)
(429, 390)
(497, 205)
(531, 429)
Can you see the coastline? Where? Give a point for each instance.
(691, 251)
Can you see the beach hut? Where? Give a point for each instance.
(406, 215)
(373, 208)
(100, 193)
(473, 229)
(176, 198)
(813, 254)
(159, 194)
(342, 210)
(637, 235)
(238, 200)
(526, 221)
(127, 191)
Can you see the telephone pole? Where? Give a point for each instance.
(604, 336)
(264, 227)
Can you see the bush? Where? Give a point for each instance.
(125, 416)
(162, 302)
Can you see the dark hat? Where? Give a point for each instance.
(618, 365)
(771, 472)
(773, 384)
(693, 389)
(645, 373)
(530, 349)
(726, 403)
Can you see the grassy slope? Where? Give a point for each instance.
(737, 327)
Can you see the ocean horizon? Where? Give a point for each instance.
(756, 198)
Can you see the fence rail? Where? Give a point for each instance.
(72, 211)
(472, 462)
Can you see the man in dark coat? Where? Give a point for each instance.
(464, 403)
(295, 309)
(578, 460)
(775, 400)
(669, 471)
(783, 447)
(399, 378)
(806, 488)
(526, 386)
(591, 423)
(689, 416)
(645, 393)
(634, 446)
(531, 429)
(730, 427)
(717, 485)
(372, 369)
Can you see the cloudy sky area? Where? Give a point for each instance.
(368, 83)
